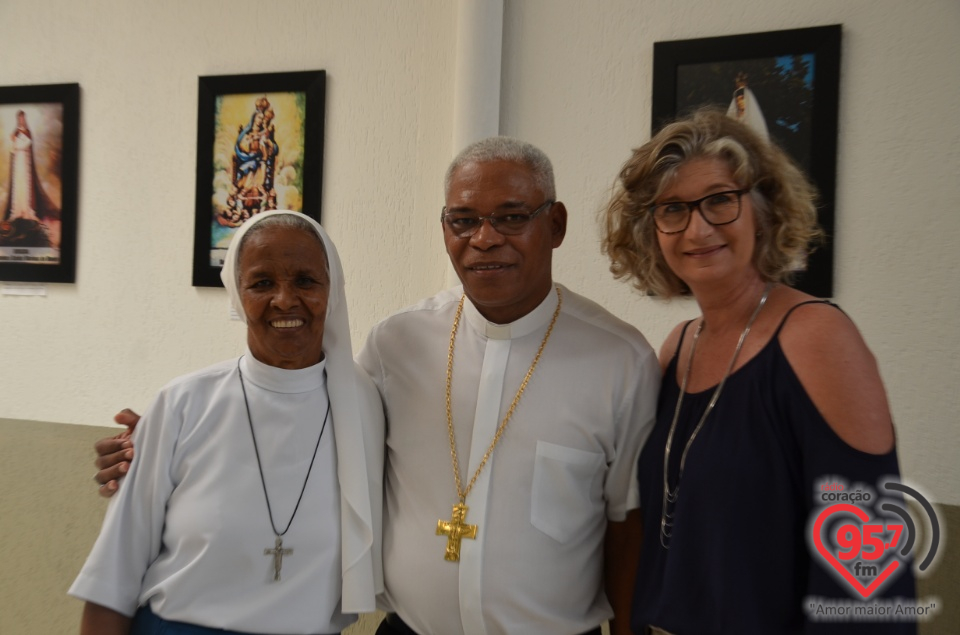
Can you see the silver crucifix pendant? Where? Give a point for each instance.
(278, 552)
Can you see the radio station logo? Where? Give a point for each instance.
(866, 542)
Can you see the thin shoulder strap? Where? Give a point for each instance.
(795, 306)
(683, 334)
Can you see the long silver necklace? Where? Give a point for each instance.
(278, 551)
(670, 495)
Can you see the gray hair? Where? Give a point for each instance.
(506, 149)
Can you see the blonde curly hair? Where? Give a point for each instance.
(784, 200)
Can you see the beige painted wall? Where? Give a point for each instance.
(577, 79)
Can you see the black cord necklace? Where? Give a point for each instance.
(278, 551)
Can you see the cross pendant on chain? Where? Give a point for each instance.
(278, 552)
(456, 529)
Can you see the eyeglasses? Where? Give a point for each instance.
(719, 208)
(465, 225)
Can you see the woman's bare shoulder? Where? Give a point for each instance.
(840, 374)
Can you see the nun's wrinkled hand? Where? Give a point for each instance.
(115, 453)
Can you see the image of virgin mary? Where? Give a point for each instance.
(745, 107)
(27, 203)
(254, 167)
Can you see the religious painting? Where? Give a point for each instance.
(783, 84)
(259, 148)
(38, 182)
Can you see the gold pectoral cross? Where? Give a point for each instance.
(278, 552)
(455, 530)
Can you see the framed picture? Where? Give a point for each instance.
(39, 129)
(259, 148)
(784, 84)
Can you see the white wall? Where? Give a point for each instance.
(133, 321)
(577, 82)
(577, 78)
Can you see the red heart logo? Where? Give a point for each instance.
(865, 591)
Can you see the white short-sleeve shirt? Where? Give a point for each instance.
(187, 530)
(565, 466)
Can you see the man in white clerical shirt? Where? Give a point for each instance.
(516, 411)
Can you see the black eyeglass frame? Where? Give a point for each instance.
(695, 205)
(495, 220)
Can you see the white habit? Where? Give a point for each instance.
(201, 561)
(565, 466)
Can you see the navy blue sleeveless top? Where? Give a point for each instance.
(738, 560)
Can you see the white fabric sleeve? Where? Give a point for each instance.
(130, 538)
(374, 445)
(369, 360)
(633, 425)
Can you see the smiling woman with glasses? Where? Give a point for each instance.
(511, 223)
(766, 395)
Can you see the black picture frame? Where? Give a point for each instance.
(797, 73)
(259, 147)
(39, 144)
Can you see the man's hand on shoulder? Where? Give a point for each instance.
(115, 453)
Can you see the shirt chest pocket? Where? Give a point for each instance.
(567, 496)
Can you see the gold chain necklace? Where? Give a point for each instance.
(670, 495)
(456, 528)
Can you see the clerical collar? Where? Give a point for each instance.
(283, 380)
(529, 323)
